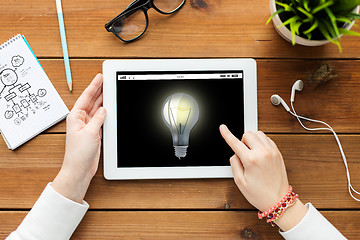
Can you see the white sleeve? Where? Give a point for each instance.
(52, 217)
(313, 226)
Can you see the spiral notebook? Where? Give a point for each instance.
(29, 103)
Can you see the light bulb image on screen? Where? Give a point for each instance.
(180, 113)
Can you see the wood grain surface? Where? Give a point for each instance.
(195, 208)
(229, 28)
(181, 225)
(315, 169)
(332, 84)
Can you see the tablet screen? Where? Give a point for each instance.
(172, 119)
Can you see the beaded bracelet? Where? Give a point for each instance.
(278, 210)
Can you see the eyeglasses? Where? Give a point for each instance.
(133, 21)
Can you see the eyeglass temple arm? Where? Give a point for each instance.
(132, 4)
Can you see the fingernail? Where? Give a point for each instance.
(101, 110)
(223, 127)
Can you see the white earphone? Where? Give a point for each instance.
(298, 86)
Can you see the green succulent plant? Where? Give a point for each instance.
(317, 19)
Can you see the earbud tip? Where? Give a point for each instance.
(300, 85)
(275, 99)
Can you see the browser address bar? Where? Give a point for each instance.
(180, 76)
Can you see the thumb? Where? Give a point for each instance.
(97, 120)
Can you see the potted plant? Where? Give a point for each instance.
(314, 22)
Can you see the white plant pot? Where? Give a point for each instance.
(285, 33)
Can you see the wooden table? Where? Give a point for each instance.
(191, 209)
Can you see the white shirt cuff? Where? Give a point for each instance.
(52, 217)
(313, 226)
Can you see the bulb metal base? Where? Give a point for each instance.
(180, 151)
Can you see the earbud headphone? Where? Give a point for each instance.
(298, 86)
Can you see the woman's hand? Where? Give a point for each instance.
(259, 172)
(83, 143)
(258, 168)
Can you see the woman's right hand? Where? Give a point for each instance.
(259, 172)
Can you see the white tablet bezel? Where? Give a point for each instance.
(110, 67)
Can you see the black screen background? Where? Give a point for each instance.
(145, 141)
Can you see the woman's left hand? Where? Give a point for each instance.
(83, 143)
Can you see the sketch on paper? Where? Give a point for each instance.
(21, 100)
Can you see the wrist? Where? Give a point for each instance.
(292, 216)
(287, 213)
(71, 185)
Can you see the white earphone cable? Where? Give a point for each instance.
(329, 128)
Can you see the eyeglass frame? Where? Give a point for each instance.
(131, 9)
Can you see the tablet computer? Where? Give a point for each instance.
(163, 116)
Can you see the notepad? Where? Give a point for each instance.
(29, 103)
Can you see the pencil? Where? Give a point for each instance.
(64, 44)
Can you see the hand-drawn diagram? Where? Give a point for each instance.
(20, 99)
(17, 61)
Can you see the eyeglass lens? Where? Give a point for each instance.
(134, 24)
(131, 26)
(167, 6)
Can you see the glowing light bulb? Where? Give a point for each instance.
(180, 112)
